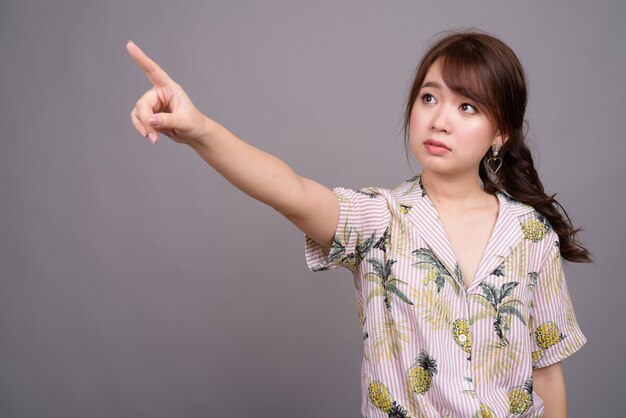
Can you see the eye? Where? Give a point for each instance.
(428, 98)
(466, 107)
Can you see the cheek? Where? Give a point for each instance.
(479, 133)
(418, 125)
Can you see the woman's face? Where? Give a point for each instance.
(441, 115)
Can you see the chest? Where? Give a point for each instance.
(468, 235)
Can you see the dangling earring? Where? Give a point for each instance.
(494, 162)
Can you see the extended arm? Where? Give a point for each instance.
(549, 384)
(167, 109)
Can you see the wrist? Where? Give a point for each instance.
(209, 130)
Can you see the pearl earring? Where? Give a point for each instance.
(494, 162)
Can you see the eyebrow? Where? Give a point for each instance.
(433, 84)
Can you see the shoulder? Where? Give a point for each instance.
(527, 215)
(376, 193)
(535, 229)
(396, 200)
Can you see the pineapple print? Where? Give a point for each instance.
(547, 335)
(461, 334)
(521, 398)
(421, 373)
(380, 396)
(535, 229)
(382, 399)
(486, 412)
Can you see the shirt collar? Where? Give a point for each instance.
(505, 236)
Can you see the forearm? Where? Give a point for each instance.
(549, 383)
(312, 207)
(253, 171)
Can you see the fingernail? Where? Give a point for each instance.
(154, 120)
(153, 137)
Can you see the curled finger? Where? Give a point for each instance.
(137, 123)
(144, 109)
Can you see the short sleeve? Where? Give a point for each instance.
(363, 217)
(553, 325)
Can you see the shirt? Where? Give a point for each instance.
(433, 347)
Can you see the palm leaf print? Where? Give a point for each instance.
(499, 271)
(363, 247)
(404, 208)
(388, 337)
(573, 340)
(386, 280)
(383, 242)
(337, 250)
(509, 198)
(437, 271)
(369, 192)
(338, 247)
(514, 264)
(509, 309)
(552, 276)
(490, 293)
(493, 360)
(506, 289)
(415, 182)
(399, 238)
(496, 307)
(434, 308)
(458, 274)
(532, 280)
(379, 291)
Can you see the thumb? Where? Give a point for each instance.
(164, 121)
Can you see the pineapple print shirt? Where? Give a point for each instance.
(432, 346)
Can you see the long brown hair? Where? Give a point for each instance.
(484, 69)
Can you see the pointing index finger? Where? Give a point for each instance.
(155, 74)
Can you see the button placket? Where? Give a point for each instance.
(468, 380)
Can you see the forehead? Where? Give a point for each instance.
(434, 79)
(434, 72)
(457, 75)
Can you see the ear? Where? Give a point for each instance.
(500, 139)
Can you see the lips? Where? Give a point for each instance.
(436, 143)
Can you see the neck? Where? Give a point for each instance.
(458, 192)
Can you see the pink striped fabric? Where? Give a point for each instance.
(432, 346)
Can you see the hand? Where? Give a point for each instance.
(165, 108)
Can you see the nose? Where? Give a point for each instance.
(440, 122)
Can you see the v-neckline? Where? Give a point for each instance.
(505, 234)
(457, 270)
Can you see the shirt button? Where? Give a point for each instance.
(462, 338)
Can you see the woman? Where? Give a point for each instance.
(458, 271)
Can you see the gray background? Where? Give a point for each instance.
(136, 282)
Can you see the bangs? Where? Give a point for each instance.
(466, 74)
